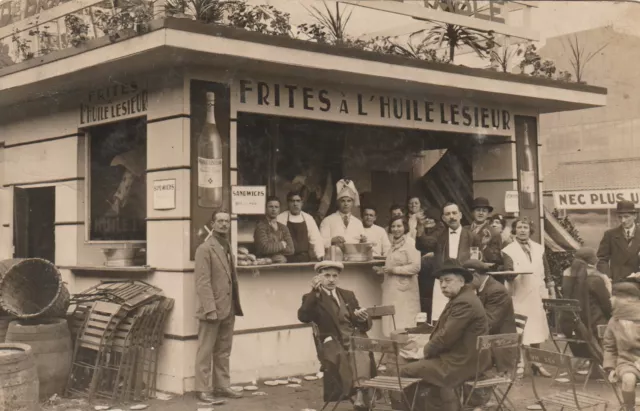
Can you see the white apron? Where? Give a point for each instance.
(527, 291)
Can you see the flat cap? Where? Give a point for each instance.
(328, 264)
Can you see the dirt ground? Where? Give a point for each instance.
(309, 396)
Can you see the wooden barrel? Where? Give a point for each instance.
(18, 378)
(4, 324)
(50, 341)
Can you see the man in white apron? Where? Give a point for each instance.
(342, 226)
(453, 244)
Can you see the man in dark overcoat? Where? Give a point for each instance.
(450, 356)
(618, 251)
(338, 316)
(489, 243)
(498, 306)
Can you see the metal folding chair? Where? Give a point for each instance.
(569, 399)
(385, 384)
(495, 345)
(521, 322)
(380, 311)
(572, 308)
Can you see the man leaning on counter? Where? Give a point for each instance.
(342, 227)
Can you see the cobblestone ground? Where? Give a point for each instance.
(309, 396)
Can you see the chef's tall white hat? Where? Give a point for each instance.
(346, 188)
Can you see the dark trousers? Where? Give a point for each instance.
(215, 339)
(426, 283)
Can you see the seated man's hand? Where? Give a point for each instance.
(361, 314)
(316, 282)
(339, 240)
(212, 316)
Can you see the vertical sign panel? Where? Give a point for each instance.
(209, 156)
(527, 153)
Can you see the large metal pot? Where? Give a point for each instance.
(358, 252)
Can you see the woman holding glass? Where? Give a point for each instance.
(400, 271)
(527, 290)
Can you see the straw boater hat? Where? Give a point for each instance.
(626, 206)
(328, 264)
(482, 202)
(346, 188)
(454, 267)
(475, 266)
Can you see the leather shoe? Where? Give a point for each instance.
(226, 392)
(208, 398)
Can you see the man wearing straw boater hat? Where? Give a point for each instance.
(619, 248)
(338, 316)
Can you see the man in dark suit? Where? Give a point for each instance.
(218, 305)
(489, 244)
(450, 356)
(498, 306)
(338, 316)
(454, 243)
(619, 248)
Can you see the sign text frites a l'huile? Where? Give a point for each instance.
(248, 200)
(593, 199)
(372, 108)
(115, 102)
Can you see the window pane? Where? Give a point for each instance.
(118, 156)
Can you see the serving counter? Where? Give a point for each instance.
(269, 336)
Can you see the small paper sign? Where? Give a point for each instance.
(164, 194)
(511, 202)
(248, 199)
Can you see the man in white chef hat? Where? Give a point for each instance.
(342, 227)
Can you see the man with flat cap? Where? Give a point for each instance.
(338, 316)
(619, 247)
(450, 356)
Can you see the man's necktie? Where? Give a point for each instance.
(345, 220)
(629, 237)
(334, 297)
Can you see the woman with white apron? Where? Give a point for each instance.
(528, 290)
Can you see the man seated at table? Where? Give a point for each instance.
(337, 314)
(450, 356)
(307, 242)
(375, 234)
(499, 309)
(342, 227)
(271, 238)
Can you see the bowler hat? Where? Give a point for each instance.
(454, 267)
(475, 265)
(481, 202)
(626, 206)
(328, 264)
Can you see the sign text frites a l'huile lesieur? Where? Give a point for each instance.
(374, 108)
(593, 199)
(115, 102)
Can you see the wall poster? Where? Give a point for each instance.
(527, 160)
(210, 177)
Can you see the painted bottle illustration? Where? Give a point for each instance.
(527, 175)
(210, 160)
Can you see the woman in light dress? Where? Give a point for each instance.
(528, 290)
(400, 285)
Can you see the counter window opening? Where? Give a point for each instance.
(386, 164)
(116, 200)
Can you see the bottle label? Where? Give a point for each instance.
(209, 172)
(527, 181)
